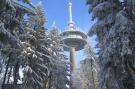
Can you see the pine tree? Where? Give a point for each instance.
(36, 54)
(38, 20)
(87, 74)
(11, 24)
(26, 45)
(59, 70)
(114, 29)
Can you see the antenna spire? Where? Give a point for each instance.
(54, 24)
(71, 23)
(70, 12)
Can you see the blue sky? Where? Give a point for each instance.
(57, 10)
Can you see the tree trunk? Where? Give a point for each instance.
(10, 72)
(16, 69)
(3, 83)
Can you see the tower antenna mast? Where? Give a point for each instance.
(70, 12)
(70, 23)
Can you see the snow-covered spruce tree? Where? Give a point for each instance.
(26, 44)
(37, 60)
(11, 18)
(78, 80)
(91, 67)
(59, 70)
(37, 21)
(86, 76)
(36, 55)
(19, 46)
(49, 60)
(115, 29)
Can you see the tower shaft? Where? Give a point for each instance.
(72, 59)
(72, 65)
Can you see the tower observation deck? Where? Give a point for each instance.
(74, 40)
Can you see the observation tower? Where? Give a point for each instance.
(73, 39)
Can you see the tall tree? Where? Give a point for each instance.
(59, 67)
(26, 45)
(115, 29)
(11, 18)
(86, 77)
(36, 56)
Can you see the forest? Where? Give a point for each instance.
(33, 56)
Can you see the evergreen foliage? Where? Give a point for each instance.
(86, 77)
(115, 29)
(59, 69)
(25, 45)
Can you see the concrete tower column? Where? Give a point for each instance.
(72, 59)
(72, 65)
